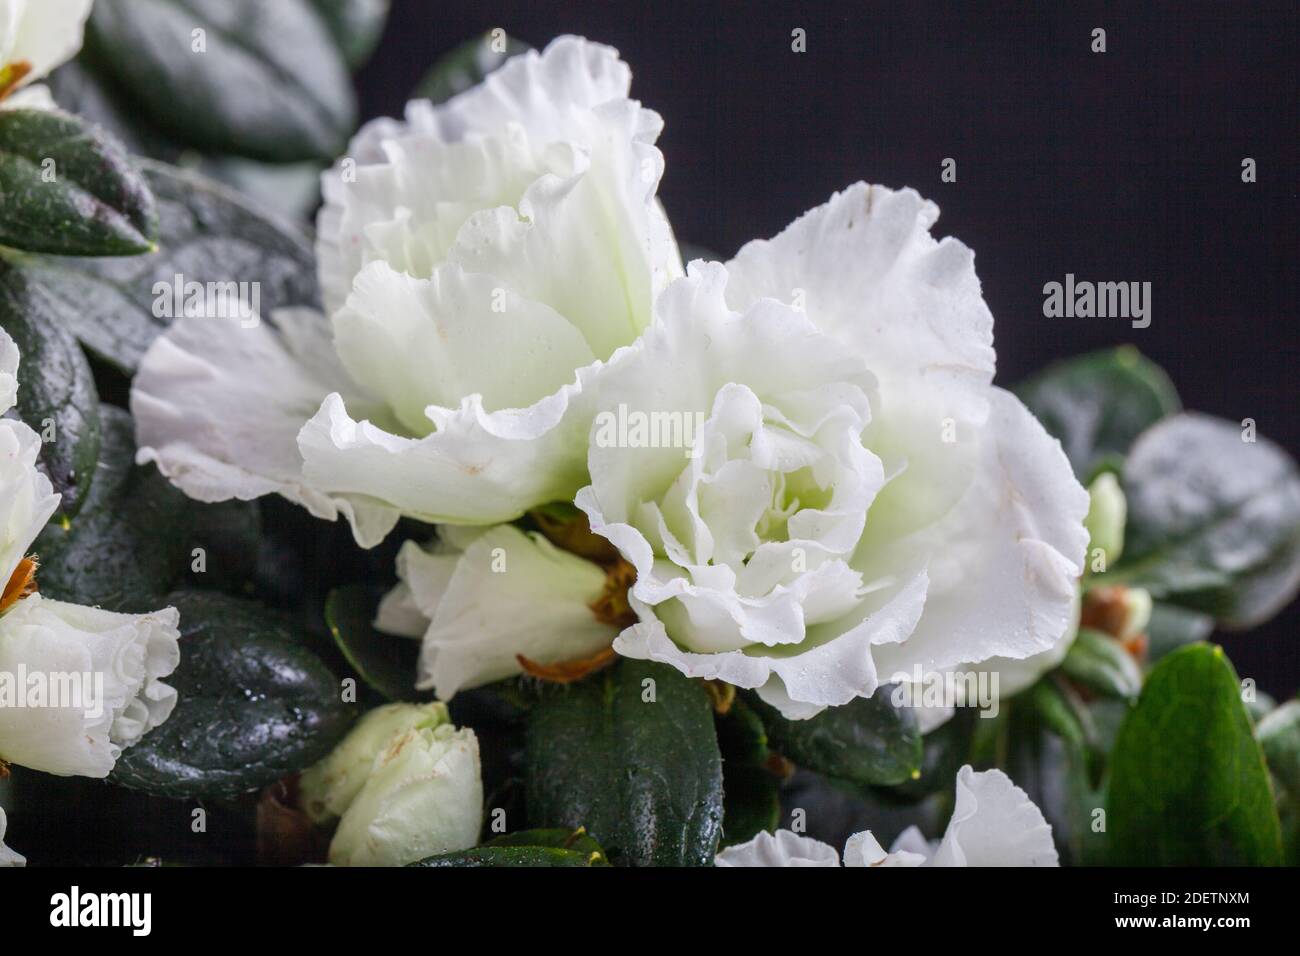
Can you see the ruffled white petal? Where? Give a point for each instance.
(431, 341)
(128, 653)
(994, 823)
(862, 849)
(782, 848)
(27, 499)
(524, 121)
(505, 594)
(1004, 562)
(867, 271)
(478, 467)
(219, 406)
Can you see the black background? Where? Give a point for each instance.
(1115, 166)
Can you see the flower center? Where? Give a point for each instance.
(11, 75)
(21, 583)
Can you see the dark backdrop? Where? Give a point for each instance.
(1120, 166)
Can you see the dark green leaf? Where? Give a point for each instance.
(290, 190)
(254, 705)
(1188, 782)
(1060, 709)
(56, 387)
(207, 233)
(944, 750)
(1278, 734)
(1213, 521)
(356, 25)
(1098, 404)
(1056, 773)
(579, 841)
(866, 741)
(385, 662)
(1171, 627)
(268, 83)
(513, 856)
(229, 532)
(742, 737)
(1099, 662)
(77, 89)
(69, 189)
(631, 754)
(751, 797)
(467, 65)
(130, 543)
(751, 802)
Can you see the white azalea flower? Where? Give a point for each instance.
(479, 262)
(35, 37)
(994, 823)
(119, 660)
(861, 499)
(7, 856)
(484, 597)
(423, 796)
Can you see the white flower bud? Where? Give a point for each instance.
(424, 796)
(1137, 613)
(328, 788)
(1107, 515)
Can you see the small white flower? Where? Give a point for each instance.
(117, 661)
(860, 499)
(423, 796)
(994, 823)
(7, 856)
(484, 597)
(478, 262)
(35, 37)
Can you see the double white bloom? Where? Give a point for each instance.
(479, 262)
(35, 37)
(859, 500)
(116, 662)
(994, 823)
